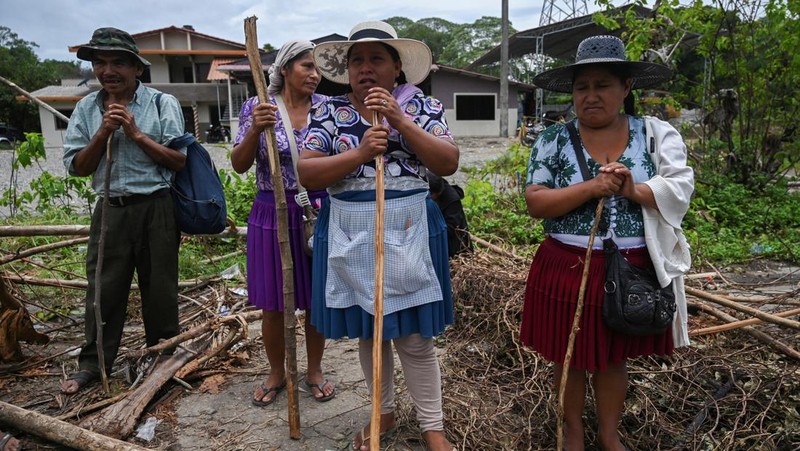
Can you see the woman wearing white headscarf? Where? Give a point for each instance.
(294, 78)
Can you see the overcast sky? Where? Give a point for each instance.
(56, 24)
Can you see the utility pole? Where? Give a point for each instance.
(504, 72)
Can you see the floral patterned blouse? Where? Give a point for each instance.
(553, 164)
(263, 179)
(336, 127)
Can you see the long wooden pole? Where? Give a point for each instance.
(377, 334)
(98, 272)
(576, 325)
(287, 265)
(764, 316)
(740, 324)
(83, 230)
(760, 336)
(30, 96)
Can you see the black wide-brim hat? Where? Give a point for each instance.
(110, 39)
(605, 50)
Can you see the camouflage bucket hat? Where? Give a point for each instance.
(110, 40)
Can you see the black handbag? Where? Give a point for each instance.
(634, 302)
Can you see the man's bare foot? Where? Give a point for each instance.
(436, 441)
(388, 426)
(78, 381)
(8, 442)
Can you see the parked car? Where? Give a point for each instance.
(9, 136)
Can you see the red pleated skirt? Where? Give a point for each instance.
(551, 298)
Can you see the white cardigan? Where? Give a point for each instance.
(672, 187)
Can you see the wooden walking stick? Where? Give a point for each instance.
(287, 265)
(377, 333)
(576, 325)
(98, 271)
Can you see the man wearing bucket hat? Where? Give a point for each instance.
(647, 195)
(142, 234)
(339, 151)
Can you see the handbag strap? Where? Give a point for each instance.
(578, 147)
(302, 195)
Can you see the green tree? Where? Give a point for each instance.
(747, 46)
(19, 63)
(434, 32)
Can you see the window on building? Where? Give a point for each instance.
(61, 125)
(475, 107)
(187, 75)
(202, 72)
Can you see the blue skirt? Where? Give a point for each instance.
(264, 272)
(427, 320)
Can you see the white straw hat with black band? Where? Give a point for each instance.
(331, 57)
(602, 49)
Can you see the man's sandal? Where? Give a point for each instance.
(324, 398)
(82, 378)
(265, 391)
(4, 441)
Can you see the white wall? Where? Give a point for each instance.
(53, 137)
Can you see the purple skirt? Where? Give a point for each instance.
(264, 272)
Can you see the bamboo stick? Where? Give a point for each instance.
(42, 248)
(82, 284)
(377, 333)
(98, 273)
(497, 249)
(760, 336)
(30, 96)
(744, 309)
(576, 321)
(83, 230)
(287, 265)
(195, 332)
(739, 324)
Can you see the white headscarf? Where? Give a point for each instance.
(288, 51)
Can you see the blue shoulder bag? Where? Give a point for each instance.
(197, 192)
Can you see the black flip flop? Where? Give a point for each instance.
(324, 397)
(266, 391)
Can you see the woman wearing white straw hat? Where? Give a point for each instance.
(293, 78)
(339, 152)
(646, 196)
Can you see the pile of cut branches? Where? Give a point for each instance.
(727, 391)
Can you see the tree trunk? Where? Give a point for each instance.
(59, 431)
(119, 420)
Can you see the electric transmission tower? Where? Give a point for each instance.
(559, 10)
(553, 11)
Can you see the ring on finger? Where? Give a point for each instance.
(384, 102)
